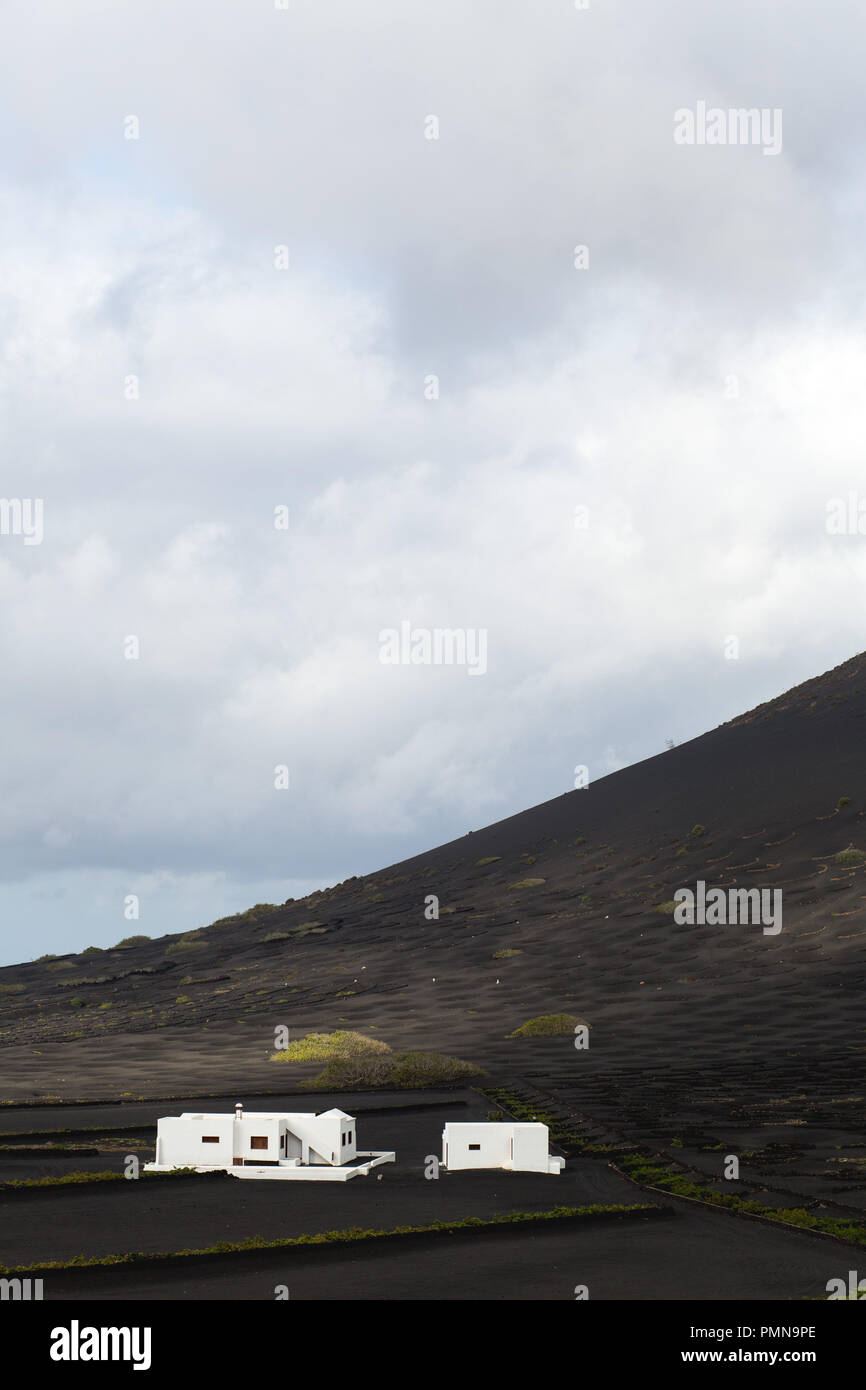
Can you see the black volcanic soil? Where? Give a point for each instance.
(160, 1213)
(685, 1252)
(700, 1255)
(700, 1036)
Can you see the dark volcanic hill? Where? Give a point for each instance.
(573, 888)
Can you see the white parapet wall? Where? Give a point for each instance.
(516, 1147)
(320, 1172)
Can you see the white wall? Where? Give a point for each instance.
(522, 1147)
(349, 1150)
(494, 1141)
(530, 1152)
(321, 1135)
(311, 1138)
(179, 1140)
(264, 1126)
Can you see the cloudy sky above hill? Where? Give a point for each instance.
(237, 274)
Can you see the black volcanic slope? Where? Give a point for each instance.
(674, 1010)
(704, 1040)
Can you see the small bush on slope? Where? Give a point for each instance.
(401, 1071)
(326, 1047)
(549, 1026)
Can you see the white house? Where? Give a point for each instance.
(518, 1147)
(264, 1145)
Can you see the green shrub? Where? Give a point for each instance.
(506, 953)
(698, 830)
(527, 883)
(352, 1074)
(400, 1071)
(11, 989)
(253, 916)
(491, 859)
(324, 1047)
(842, 802)
(850, 856)
(549, 1026)
(188, 942)
(306, 928)
(77, 1002)
(276, 936)
(129, 941)
(430, 1069)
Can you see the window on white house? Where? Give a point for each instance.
(259, 1141)
(210, 1139)
(475, 1146)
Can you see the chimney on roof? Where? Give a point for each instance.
(239, 1111)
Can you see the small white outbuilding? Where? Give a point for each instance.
(288, 1144)
(517, 1147)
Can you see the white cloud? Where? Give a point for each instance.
(608, 389)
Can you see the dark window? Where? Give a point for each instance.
(259, 1141)
(475, 1146)
(349, 1140)
(210, 1139)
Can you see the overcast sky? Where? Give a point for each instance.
(232, 261)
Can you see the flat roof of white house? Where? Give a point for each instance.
(263, 1114)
